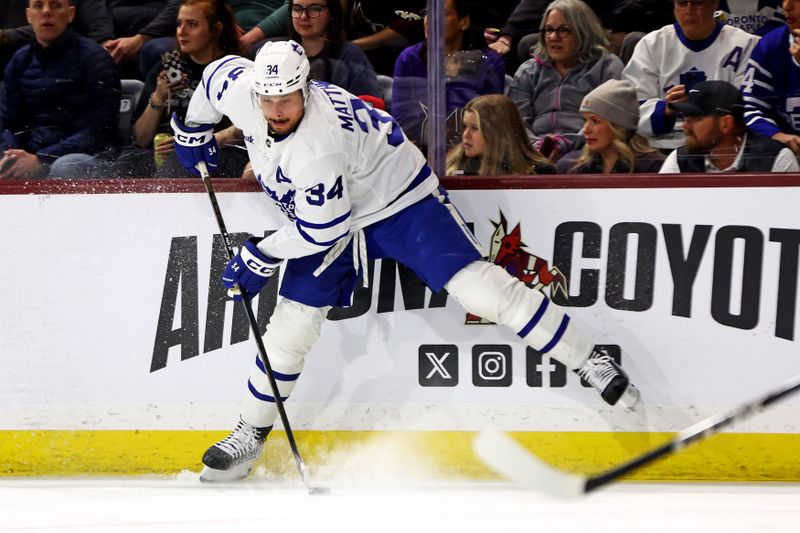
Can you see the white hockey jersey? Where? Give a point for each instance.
(346, 165)
(665, 58)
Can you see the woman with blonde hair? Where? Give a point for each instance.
(611, 116)
(494, 141)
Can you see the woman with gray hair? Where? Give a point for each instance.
(570, 60)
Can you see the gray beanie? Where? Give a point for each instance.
(615, 101)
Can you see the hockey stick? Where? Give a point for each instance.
(262, 352)
(504, 455)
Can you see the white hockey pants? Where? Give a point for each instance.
(488, 291)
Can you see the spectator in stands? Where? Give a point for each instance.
(258, 20)
(61, 100)
(206, 31)
(471, 69)
(771, 85)
(91, 20)
(627, 21)
(758, 17)
(668, 62)
(717, 139)
(572, 61)
(318, 26)
(129, 17)
(157, 20)
(494, 141)
(611, 116)
(619, 17)
(524, 20)
(383, 28)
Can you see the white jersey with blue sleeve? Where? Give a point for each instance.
(347, 165)
(665, 58)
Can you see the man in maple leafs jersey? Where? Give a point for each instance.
(667, 63)
(353, 189)
(771, 86)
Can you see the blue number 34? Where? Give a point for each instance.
(316, 195)
(395, 136)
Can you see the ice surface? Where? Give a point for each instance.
(181, 503)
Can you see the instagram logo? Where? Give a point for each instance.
(491, 365)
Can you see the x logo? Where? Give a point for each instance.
(438, 365)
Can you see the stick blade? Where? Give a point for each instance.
(505, 456)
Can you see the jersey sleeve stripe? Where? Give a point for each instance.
(659, 120)
(310, 239)
(756, 102)
(421, 176)
(765, 85)
(208, 81)
(759, 68)
(760, 119)
(324, 225)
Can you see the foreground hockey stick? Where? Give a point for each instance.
(262, 352)
(508, 458)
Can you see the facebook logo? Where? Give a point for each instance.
(542, 371)
(438, 365)
(491, 365)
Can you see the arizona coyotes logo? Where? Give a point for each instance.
(508, 251)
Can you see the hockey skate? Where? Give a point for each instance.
(233, 457)
(605, 375)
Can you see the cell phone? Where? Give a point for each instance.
(691, 78)
(547, 146)
(173, 65)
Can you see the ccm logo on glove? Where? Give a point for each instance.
(195, 144)
(252, 262)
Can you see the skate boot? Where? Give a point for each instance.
(233, 457)
(605, 375)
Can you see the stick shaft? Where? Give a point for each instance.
(702, 429)
(262, 352)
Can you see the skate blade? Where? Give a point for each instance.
(234, 473)
(629, 398)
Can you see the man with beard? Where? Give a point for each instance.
(717, 139)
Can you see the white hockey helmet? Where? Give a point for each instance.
(281, 67)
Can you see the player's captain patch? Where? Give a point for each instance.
(508, 251)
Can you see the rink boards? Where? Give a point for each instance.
(120, 355)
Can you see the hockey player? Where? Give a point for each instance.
(353, 188)
(667, 63)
